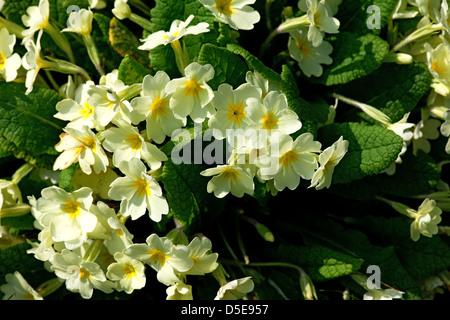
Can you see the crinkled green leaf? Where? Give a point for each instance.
(320, 262)
(27, 125)
(354, 56)
(371, 150)
(394, 89)
(358, 245)
(422, 259)
(414, 176)
(186, 192)
(100, 33)
(125, 42)
(255, 63)
(16, 259)
(228, 67)
(131, 71)
(354, 17)
(314, 111)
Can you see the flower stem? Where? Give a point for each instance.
(93, 251)
(93, 52)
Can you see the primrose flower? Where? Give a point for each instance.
(17, 288)
(438, 60)
(294, 159)
(116, 235)
(126, 143)
(429, 8)
(97, 4)
(127, 272)
(163, 257)
(66, 214)
(386, 294)
(321, 20)
(204, 260)
(309, 57)
(273, 113)
(78, 111)
(423, 131)
(154, 106)
(445, 129)
(80, 22)
(108, 106)
(82, 146)
(328, 160)
(138, 192)
(80, 276)
(426, 219)
(230, 108)
(229, 178)
(37, 18)
(178, 29)
(265, 86)
(121, 9)
(10, 62)
(179, 291)
(236, 289)
(236, 13)
(191, 94)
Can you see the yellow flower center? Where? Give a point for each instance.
(288, 157)
(236, 113)
(159, 107)
(28, 296)
(135, 141)
(87, 111)
(2, 60)
(129, 271)
(192, 88)
(84, 274)
(230, 173)
(303, 46)
(224, 6)
(158, 256)
(91, 144)
(143, 187)
(269, 121)
(436, 67)
(71, 207)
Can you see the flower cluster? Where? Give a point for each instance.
(88, 246)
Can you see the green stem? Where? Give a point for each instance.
(93, 251)
(20, 173)
(144, 23)
(60, 40)
(50, 286)
(240, 242)
(16, 211)
(52, 80)
(93, 52)
(420, 33)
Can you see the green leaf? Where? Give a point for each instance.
(17, 259)
(371, 150)
(354, 56)
(414, 176)
(228, 67)
(354, 17)
(394, 89)
(358, 245)
(131, 71)
(100, 34)
(125, 42)
(422, 259)
(66, 176)
(255, 63)
(186, 192)
(314, 111)
(27, 126)
(320, 262)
